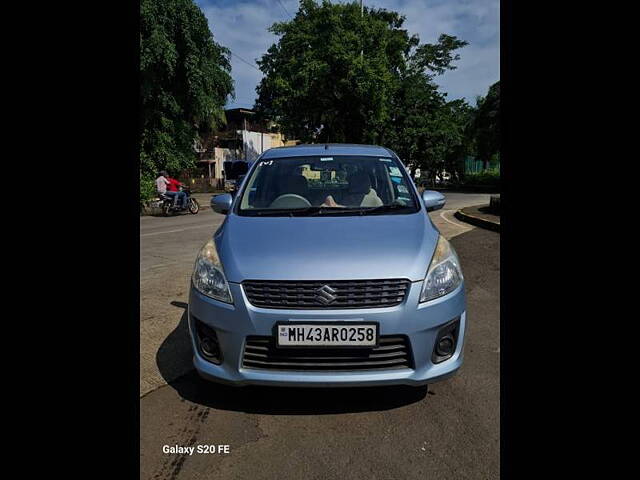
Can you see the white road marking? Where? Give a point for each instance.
(453, 223)
(174, 231)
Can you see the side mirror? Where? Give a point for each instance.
(433, 200)
(221, 203)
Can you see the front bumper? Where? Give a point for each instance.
(420, 322)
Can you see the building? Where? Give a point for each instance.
(241, 139)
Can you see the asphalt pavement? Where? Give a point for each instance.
(450, 430)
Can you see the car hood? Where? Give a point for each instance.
(326, 248)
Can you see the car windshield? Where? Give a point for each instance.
(331, 185)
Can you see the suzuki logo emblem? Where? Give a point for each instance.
(325, 294)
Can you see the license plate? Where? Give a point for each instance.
(318, 335)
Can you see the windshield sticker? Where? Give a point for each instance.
(394, 172)
(384, 159)
(326, 159)
(266, 162)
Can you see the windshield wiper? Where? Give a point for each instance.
(335, 210)
(270, 212)
(293, 212)
(387, 208)
(302, 212)
(360, 210)
(323, 210)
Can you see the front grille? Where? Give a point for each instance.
(336, 294)
(393, 352)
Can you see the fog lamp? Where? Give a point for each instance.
(445, 345)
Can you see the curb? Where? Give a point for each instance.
(477, 221)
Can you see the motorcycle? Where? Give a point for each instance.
(191, 204)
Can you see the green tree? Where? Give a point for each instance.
(462, 144)
(185, 81)
(320, 88)
(426, 131)
(486, 125)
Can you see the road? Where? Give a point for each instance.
(444, 219)
(168, 247)
(449, 431)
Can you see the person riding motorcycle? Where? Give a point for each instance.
(174, 186)
(169, 187)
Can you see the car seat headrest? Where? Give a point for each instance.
(359, 182)
(294, 184)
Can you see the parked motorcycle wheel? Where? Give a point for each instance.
(194, 206)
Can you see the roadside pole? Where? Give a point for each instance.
(361, 16)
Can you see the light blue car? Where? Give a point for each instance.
(327, 271)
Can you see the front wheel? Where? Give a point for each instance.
(194, 206)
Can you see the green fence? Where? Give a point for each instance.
(471, 165)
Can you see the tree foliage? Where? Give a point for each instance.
(428, 132)
(320, 88)
(486, 125)
(316, 85)
(185, 80)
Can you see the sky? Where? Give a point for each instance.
(241, 26)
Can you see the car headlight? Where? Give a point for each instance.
(208, 276)
(444, 274)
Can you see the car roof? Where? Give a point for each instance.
(308, 150)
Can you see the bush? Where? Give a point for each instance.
(147, 189)
(488, 178)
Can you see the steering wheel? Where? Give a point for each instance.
(290, 200)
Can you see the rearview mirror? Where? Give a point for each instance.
(221, 203)
(433, 200)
